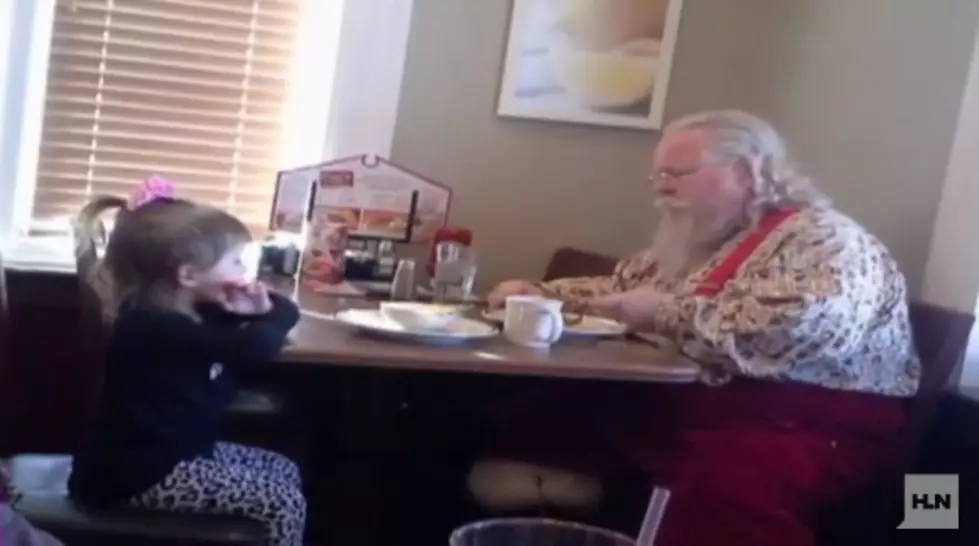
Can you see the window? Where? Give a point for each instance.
(216, 94)
(195, 90)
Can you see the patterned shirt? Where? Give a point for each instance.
(820, 301)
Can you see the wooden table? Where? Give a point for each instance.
(323, 341)
(367, 411)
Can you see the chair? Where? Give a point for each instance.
(42, 480)
(941, 336)
(571, 262)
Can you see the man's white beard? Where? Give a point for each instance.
(683, 241)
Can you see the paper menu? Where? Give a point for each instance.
(321, 264)
(369, 195)
(291, 204)
(374, 207)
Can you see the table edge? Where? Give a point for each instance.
(490, 367)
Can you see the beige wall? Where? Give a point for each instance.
(867, 91)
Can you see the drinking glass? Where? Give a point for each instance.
(455, 271)
(403, 283)
(535, 532)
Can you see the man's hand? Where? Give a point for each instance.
(636, 308)
(497, 297)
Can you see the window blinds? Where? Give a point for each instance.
(193, 90)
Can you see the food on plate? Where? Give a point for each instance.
(419, 315)
(571, 319)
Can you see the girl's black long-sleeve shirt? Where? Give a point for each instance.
(167, 381)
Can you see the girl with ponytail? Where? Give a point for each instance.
(184, 323)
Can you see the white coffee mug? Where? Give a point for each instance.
(533, 321)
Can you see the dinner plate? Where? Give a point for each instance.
(372, 322)
(590, 325)
(317, 315)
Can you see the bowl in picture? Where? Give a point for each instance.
(615, 78)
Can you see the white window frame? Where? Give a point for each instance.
(952, 271)
(28, 44)
(350, 62)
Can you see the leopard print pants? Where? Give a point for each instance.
(238, 480)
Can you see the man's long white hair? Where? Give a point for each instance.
(680, 241)
(740, 136)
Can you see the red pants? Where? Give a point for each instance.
(747, 464)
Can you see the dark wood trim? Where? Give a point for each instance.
(52, 373)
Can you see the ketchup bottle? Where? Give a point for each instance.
(459, 235)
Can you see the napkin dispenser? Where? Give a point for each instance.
(279, 257)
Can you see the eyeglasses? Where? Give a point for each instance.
(672, 174)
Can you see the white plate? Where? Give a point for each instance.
(373, 287)
(460, 330)
(589, 325)
(317, 315)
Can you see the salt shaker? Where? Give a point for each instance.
(403, 284)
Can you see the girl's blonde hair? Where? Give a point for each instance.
(148, 245)
(737, 135)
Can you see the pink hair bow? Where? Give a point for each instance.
(153, 188)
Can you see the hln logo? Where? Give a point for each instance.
(924, 501)
(931, 501)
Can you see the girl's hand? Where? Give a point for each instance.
(248, 299)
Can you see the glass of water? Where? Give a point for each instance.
(455, 271)
(535, 532)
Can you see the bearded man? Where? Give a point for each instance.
(799, 319)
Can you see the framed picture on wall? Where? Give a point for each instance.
(599, 62)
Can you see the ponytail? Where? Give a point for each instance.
(89, 232)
